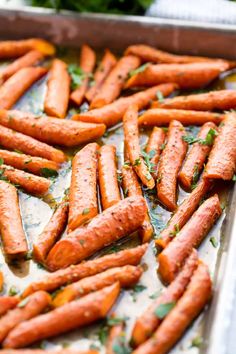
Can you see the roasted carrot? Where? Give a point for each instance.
(12, 89)
(43, 351)
(187, 308)
(191, 235)
(222, 159)
(112, 86)
(7, 303)
(127, 276)
(12, 49)
(12, 233)
(73, 315)
(28, 308)
(112, 224)
(112, 114)
(170, 164)
(87, 63)
(107, 172)
(1, 280)
(197, 156)
(116, 338)
(154, 147)
(74, 273)
(51, 232)
(107, 64)
(58, 90)
(148, 322)
(83, 203)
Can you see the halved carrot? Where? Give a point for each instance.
(43, 351)
(71, 316)
(74, 273)
(112, 86)
(51, 232)
(12, 49)
(51, 130)
(111, 225)
(58, 90)
(107, 172)
(7, 303)
(191, 235)
(87, 64)
(12, 89)
(1, 280)
(112, 114)
(170, 164)
(83, 203)
(154, 147)
(116, 336)
(12, 233)
(192, 302)
(222, 159)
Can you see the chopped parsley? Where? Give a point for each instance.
(214, 242)
(77, 75)
(160, 96)
(139, 70)
(196, 342)
(163, 309)
(176, 230)
(48, 172)
(207, 141)
(86, 211)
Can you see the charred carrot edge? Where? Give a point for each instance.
(154, 147)
(113, 84)
(58, 90)
(116, 335)
(83, 203)
(76, 314)
(112, 224)
(12, 89)
(191, 235)
(43, 351)
(7, 303)
(107, 174)
(192, 302)
(170, 164)
(87, 64)
(12, 49)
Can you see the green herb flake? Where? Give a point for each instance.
(160, 96)
(214, 242)
(126, 164)
(23, 303)
(1, 161)
(154, 295)
(138, 288)
(48, 172)
(137, 162)
(77, 75)
(13, 291)
(120, 347)
(197, 341)
(113, 321)
(176, 231)
(195, 177)
(163, 309)
(234, 178)
(147, 160)
(212, 133)
(119, 178)
(139, 70)
(86, 211)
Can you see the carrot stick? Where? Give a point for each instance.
(83, 203)
(17, 141)
(197, 156)
(107, 64)
(127, 276)
(113, 84)
(187, 308)
(86, 269)
(112, 224)
(112, 114)
(51, 232)
(71, 316)
(161, 116)
(7, 303)
(12, 49)
(187, 76)
(116, 335)
(222, 158)
(58, 90)
(183, 213)
(12, 233)
(1, 280)
(154, 147)
(28, 308)
(12, 89)
(191, 235)
(43, 351)
(87, 63)
(107, 172)
(170, 164)
(148, 322)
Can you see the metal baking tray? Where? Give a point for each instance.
(101, 31)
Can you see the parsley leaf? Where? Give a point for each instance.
(1, 161)
(48, 172)
(23, 303)
(139, 70)
(77, 75)
(137, 162)
(196, 342)
(86, 211)
(113, 321)
(160, 96)
(163, 309)
(138, 288)
(176, 231)
(147, 157)
(214, 242)
(234, 178)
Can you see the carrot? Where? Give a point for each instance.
(71, 316)
(107, 64)
(148, 322)
(83, 203)
(112, 114)
(28, 308)
(112, 224)
(187, 76)
(107, 172)
(113, 84)
(170, 164)
(197, 156)
(12, 49)
(187, 308)
(7, 303)
(12, 89)
(17, 141)
(74, 273)
(222, 158)
(183, 213)
(127, 276)
(161, 116)
(51, 232)
(191, 235)
(87, 63)
(12, 233)
(58, 90)
(1, 280)
(154, 147)
(116, 336)
(43, 351)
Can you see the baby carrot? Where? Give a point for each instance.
(154, 147)
(7, 303)
(12, 49)
(1, 280)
